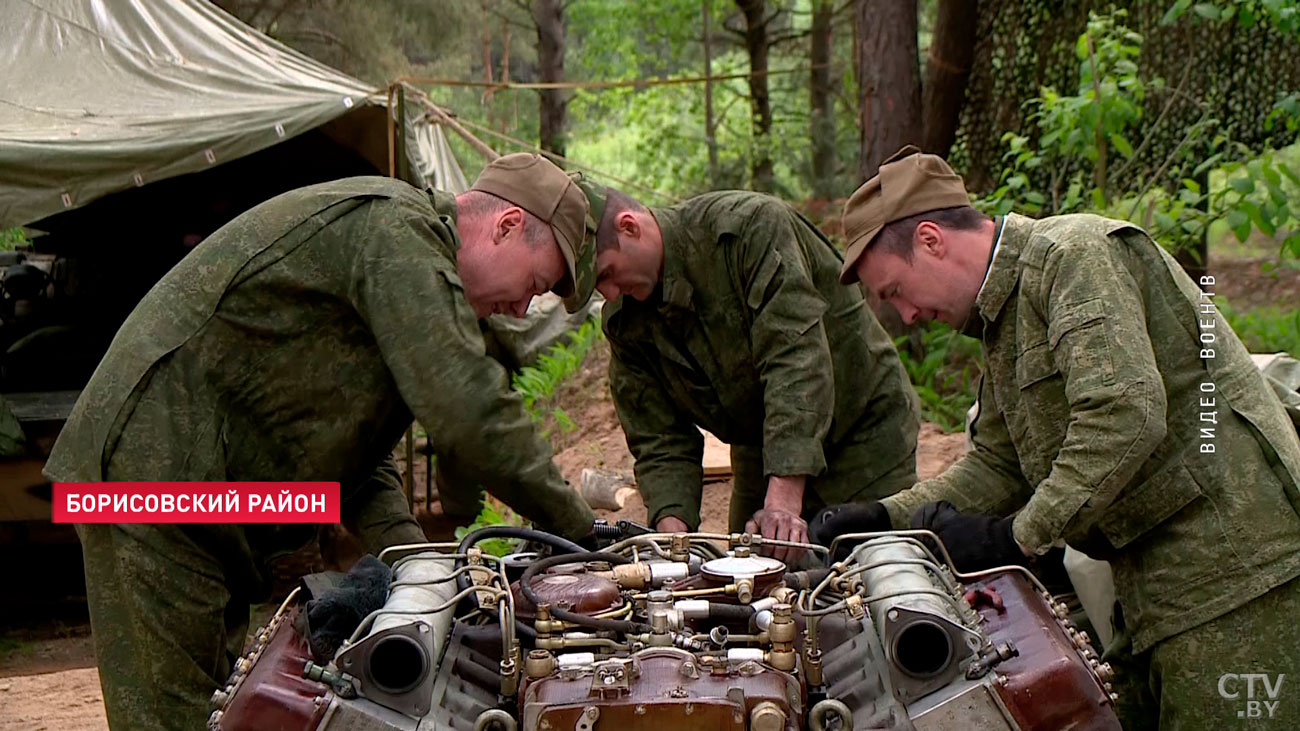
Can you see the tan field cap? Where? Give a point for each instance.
(536, 185)
(908, 183)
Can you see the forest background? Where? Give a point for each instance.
(1179, 116)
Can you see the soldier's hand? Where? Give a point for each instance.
(975, 542)
(781, 525)
(672, 524)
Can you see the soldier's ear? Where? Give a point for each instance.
(510, 222)
(929, 237)
(626, 224)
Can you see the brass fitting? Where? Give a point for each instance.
(812, 667)
(783, 594)
(767, 716)
(509, 677)
(782, 631)
(745, 590)
(634, 575)
(539, 664)
(680, 550)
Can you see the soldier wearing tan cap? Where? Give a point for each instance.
(1104, 366)
(297, 343)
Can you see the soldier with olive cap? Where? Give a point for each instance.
(297, 343)
(1119, 414)
(725, 311)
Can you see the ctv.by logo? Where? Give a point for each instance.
(1260, 689)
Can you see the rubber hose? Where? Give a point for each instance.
(730, 612)
(608, 625)
(800, 580)
(562, 545)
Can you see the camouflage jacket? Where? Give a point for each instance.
(754, 339)
(1121, 414)
(296, 343)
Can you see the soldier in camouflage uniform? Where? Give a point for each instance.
(1119, 414)
(731, 317)
(297, 343)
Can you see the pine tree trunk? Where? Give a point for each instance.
(761, 171)
(952, 50)
(822, 126)
(889, 83)
(549, 17)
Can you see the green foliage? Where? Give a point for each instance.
(1281, 14)
(655, 135)
(12, 238)
(494, 512)
(1265, 329)
(538, 383)
(945, 377)
(1093, 124)
(1252, 190)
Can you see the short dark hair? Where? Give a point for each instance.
(898, 237)
(616, 201)
(481, 203)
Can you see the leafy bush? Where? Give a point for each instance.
(946, 377)
(538, 382)
(494, 512)
(1081, 135)
(12, 238)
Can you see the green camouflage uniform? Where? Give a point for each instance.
(755, 340)
(295, 343)
(1098, 398)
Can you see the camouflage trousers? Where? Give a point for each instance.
(1238, 671)
(843, 477)
(168, 618)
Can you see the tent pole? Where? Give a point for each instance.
(482, 147)
(408, 475)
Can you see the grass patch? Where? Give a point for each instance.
(1265, 329)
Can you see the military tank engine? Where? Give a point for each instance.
(691, 630)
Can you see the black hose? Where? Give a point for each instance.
(562, 545)
(800, 580)
(730, 612)
(608, 625)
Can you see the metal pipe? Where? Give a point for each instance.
(817, 716)
(494, 719)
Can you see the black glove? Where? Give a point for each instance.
(836, 520)
(336, 613)
(975, 542)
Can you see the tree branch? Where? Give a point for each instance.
(511, 21)
(789, 37)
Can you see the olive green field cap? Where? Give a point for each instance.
(908, 183)
(595, 193)
(538, 186)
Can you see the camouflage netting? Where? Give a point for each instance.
(1232, 73)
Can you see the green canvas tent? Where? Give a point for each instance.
(129, 131)
(101, 97)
